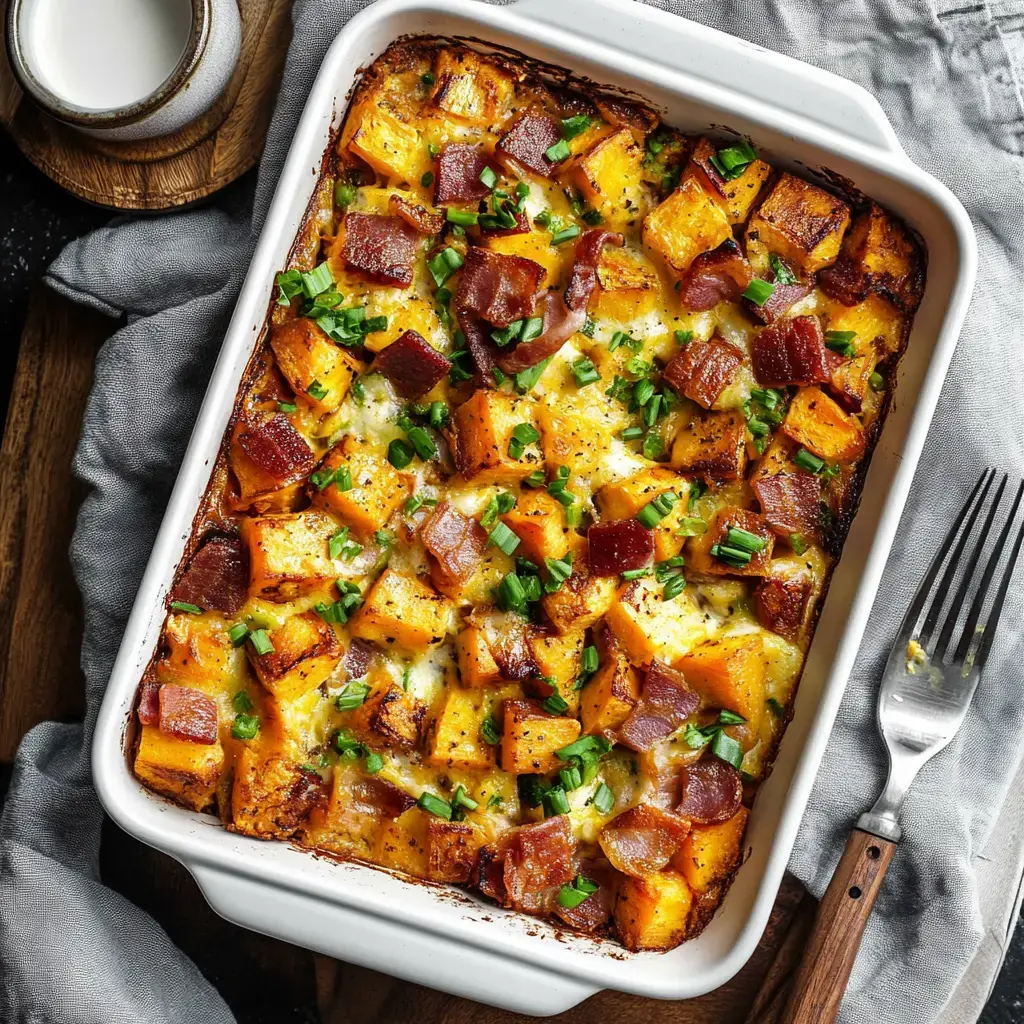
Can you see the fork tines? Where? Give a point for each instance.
(961, 575)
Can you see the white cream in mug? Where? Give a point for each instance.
(105, 54)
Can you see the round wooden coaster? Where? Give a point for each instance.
(181, 168)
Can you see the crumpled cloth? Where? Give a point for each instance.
(74, 952)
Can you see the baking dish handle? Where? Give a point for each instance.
(759, 76)
(373, 941)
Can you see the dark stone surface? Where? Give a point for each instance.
(36, 219)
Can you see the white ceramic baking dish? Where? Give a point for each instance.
(433, 935)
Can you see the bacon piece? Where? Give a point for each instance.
(625, 113)
(703, 370)
(498, 287)
(711, 792)
(792, 352)
(426, 222)
(564, 316)
(356, 662)
(276, 448)
(482, 348)
(791, 502)
(715, 276)
(381, 248)
(217, 576)
(188, 714)
(412, 364)
(665, 703)
(591, 916)
(526, 142)
(781, 299)
(377, 797)
(642, 840)
(781, 603)
(149, 703)
(459, 166)
(619, 546)
(456, 542)
(513, 654)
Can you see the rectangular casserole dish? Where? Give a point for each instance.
(433, 935)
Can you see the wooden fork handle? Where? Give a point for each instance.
(824, 970)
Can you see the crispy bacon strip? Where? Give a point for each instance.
(703, 370)
(276, 448)
(459, 166)
(526, 142)
(781, 603)
(379, 247)
(481, 347)
(665, 703)
(456, 542)
(356, 662)
(792, 352)
(188, 714)
(497, 287)
(619, 546)
(149, 703)
(714, 277)
(791, 502)
(711, 792)
(779, 302)
(426, 222)
(412, 364)
(217, 576)
(564, 315)
(643, 839)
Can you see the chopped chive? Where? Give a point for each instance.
(317, 280)
(596, 746)
(604, 799)
(352, 696)
(783, 275)
(511, 594)
(691, 526)
(556, 705)
(286, 406)
(876, 382)
(416, 502)
(653, 512)
(427, 179)
(238, 633)
(841, 342)
(565, 235)
(343, 479)
(556, 802)
(571, 778)
(635, 574)
(504, 538)
(317, 391)
(797, 543)
(758, 291)
(261, 642)
(809, 461)
(400, 453)
(674, 586)
(535, 479)
(643, 392)
(245, 727)
(337, 543)
(527, 379)
(488, 177)
(427, 78)
(423, 444)
(464, 218)
(573, 126)
(435, 805)
(241, 703)
(574, 516)
(591, 660)
(632, 433)
(736, 557)
(184, 606)
(489, 731)
(444, 264)
(344, 194)
(558, 152)
(559, 570)
(732, 161)
(585, 372)
(374, 763)
(736, 537)
(725, 747)
(684, 337)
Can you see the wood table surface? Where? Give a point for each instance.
(40, 633)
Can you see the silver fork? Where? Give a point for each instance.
(930, 677)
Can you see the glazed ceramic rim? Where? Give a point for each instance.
(82, 117)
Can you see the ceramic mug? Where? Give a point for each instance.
(124, 70)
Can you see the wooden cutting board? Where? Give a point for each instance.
(181, 168)
(40, 635)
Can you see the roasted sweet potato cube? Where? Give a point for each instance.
(686, 224)
(451, 848)
(306, 651)
(198, 652)
(484, 424)
(470, 89)
(377, 490)
(403, 845)
(651, 912)
(611, 693)
(271, 797)
(391, 717)
(649, 627)
(580, 601)
(360, 807)
(457, 742)
(712, 445)
(186, 772)
(784, 598)
(628, 285)
(572, 439)
(623, 499)
(729, 673)
(288, 554)
(608, 176)
(538, 520)
(391, 147)
(800, 222)
(816, 421)
(477, 666)
(306, 356)
(531, 736)
(401, 611)
(711, 852)
(737, 195)
(557, 657)
(878, 255)
(724, 563)
(851, 380)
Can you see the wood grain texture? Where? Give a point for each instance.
(156, 174)
(821, 979)
(263, 979)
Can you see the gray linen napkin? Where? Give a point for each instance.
(947, 77)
